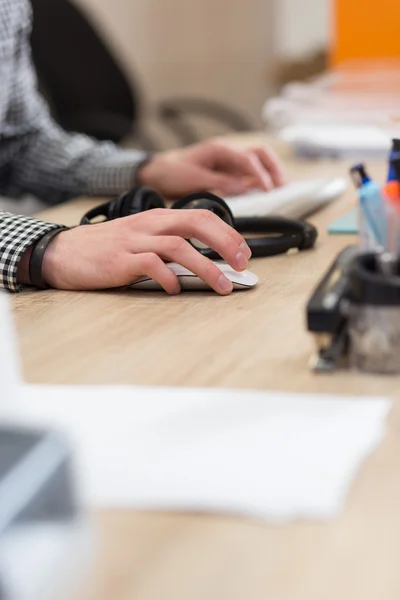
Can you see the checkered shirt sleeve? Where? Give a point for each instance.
(17, 233)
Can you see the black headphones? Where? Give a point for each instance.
(279, 234)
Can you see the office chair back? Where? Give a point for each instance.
(84, 85)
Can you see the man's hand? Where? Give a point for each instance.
(118, 252)
(213, 166)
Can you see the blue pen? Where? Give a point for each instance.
(372, 209)
(394, 156)
(395, 152)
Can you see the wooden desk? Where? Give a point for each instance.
(255, 339)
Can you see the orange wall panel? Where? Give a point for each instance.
(366, 29)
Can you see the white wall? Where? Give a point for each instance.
(222, 49)
(302, 26)
(214, 48)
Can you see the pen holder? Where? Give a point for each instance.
(374, 315)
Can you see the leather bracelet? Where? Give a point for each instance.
(37, 256)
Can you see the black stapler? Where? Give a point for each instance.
(327, 313)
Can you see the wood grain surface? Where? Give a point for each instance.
(254, 339)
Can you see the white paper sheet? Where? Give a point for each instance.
(10, 375)
(268, 455)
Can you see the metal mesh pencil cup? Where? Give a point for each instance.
(374, 316)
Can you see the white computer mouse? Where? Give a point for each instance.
(243, 280)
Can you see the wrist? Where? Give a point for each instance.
(142, 176)
(53, 266)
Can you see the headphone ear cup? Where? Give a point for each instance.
(139, 200)
(150, 199)
(207, 201)
(135, 201)
(125, 206)
(114, 207)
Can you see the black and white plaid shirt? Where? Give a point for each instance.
(37, 156)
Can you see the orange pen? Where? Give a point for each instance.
(391, 192)
(392, 188)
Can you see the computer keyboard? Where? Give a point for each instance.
(296, 200)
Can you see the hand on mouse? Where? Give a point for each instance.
(215, 166)
(116, 253)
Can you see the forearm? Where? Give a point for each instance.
(55, 166)
(36, 155)
(17, 236)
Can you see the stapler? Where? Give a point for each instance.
(327, 313)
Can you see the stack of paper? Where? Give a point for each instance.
(352, 111)
(339, 141)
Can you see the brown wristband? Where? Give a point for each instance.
(37, 255)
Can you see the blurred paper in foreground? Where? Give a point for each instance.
(10, 376)
(45, 542)
(267, 455)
